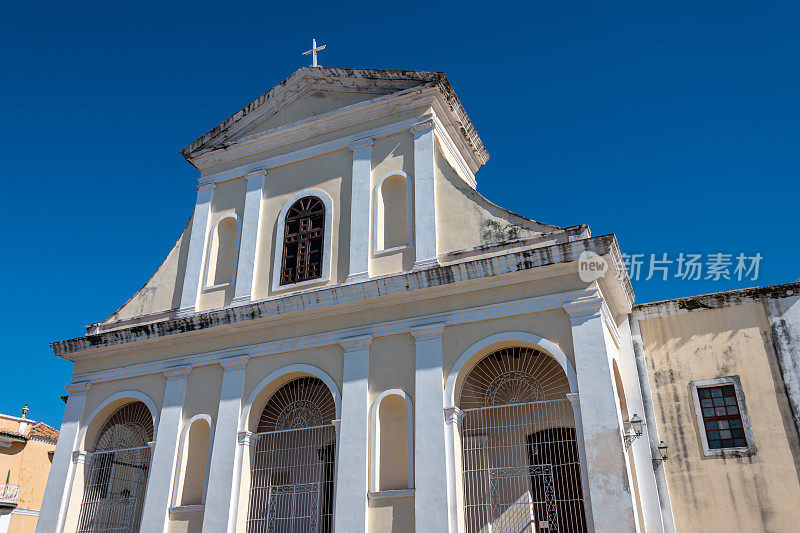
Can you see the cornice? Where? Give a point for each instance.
(334, 297)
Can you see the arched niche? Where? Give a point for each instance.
(392, 451)
(392, 213)
(222, 252)
(194, 460)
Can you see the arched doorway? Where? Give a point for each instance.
(292, 473)
(117, 478)
(521, 469)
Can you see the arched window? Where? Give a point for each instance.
(117, 478)
(303, 241)
(519, 451)
(392, 213)
(222, 252)
(194, 458)
(294, 461)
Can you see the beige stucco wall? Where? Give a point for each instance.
(724, 493)
(26, 464)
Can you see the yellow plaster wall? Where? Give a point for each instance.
(465, 219)
(394, 153)
(330, 172)
(228, 199)
(163, 290)
(724, 493)
(315, 102)
(395, 515)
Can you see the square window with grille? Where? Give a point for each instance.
(722, 419)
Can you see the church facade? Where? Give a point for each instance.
(348, 337)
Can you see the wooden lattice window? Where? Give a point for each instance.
(722, 419)
(303, 238)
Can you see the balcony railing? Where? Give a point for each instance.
(8, 494)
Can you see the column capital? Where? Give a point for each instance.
(356, 344)
(177, 372)
(423, 126)
(256, 173)
(584, 307)
(337, 424)
(78, 389)
(361, 143)
(81, 457)
(453, 415)
(428, 332)
(234, 363)
(574, 398)
(208, 185)
(247, 438)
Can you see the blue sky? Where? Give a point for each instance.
(674, 125)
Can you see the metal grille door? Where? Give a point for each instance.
(292, 481)
(115, 491)
(521, 469)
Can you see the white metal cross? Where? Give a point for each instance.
(313, 52)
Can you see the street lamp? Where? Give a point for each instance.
(634, 429)
(662, 452)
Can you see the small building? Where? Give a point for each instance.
(26, 453)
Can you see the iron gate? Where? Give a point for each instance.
(521, 469)
(292, 481)
(115, 490)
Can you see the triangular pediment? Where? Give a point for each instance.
(308, 92)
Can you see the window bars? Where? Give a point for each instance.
(115, 485)
(521, 469)
(303, 239)
(293, 466)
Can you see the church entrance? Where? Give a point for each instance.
(521, 469)
(114, 492)
(294, 461)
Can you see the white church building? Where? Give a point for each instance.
(348, 337)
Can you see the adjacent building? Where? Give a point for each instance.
(26, 452)
(348, 337)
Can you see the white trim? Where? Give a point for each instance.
(386, 494)
(206, 286)
(360, 113)
(181, 447)
(375, 448)
(409, 214)
(748, 430)
(327, 240)
(133, 394)
(507, 338)
(459, 316)
(289, 369)
(25, 512)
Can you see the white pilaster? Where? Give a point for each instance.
(249, 240)
(452, 418)
(351, 469)
(220, 511)
(424, 194)
(431, 505)
(62, 471)
(155, 512)
(610, 493)
(359, 210)
(575, 399)
(197, 246)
